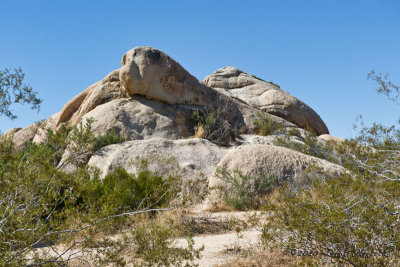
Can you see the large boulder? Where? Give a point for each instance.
(99, 93)
(141, 118)
(33, 133)
(10, 133)
(194, 157)
(265, 96)
(48, 124)
(258, 160)
(152, 73)
(24, 135)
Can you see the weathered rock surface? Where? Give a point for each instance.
(99, 93)
(283, 163)
(194, 157)
(152, 73)
(24, 135)
(48, 124)
(253, 139)
(33, 133)
(265, 96)
(328, 137)
(10, 132)
(141, 118)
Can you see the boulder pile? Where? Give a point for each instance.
(151, 101)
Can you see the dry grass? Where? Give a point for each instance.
(259, 257)
(200, 132)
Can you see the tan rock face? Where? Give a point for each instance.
(152, 73)
(24, 135)
(10, 132)
(282, 163)
(141, 118)
(328, 137)
(265, 96)
(50, 123)
(99, 93)
(149, 72)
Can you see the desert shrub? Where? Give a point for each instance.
(351, 220)
(79, 143)
(214, 128)
(42, 206)
(242, 191)
(293, 132)
(265, 126)
(121, 192)
(107, 139)
(81, 138)
(154, 247)
(311, 146)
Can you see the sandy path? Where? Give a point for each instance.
(216, 246)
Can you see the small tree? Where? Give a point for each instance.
(13, 90)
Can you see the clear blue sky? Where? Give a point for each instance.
(319, 51)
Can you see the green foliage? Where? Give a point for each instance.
(209, 123)
(350, 220)
(277, 85)
(122, 192)
(13, 90)
(216, 129)
(293, 132)
(81, 138)
(265, 126)
(41, 205)
(107, 139)
(153, 243)
(311, 146)
(242, 191)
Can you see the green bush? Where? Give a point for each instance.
(122, 192)
(216, 130)
(107, 139)
(311, 146)
(351, 220)
(265, 126)
(243, 192)
(154, 247)
(41, 205)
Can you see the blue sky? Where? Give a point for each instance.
(319, 51)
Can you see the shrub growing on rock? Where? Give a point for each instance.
(242, 191)
(214, 129)
(265, 126)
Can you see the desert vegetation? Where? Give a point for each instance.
(312, 202)
(68, 214)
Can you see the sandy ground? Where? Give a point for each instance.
(220, 248)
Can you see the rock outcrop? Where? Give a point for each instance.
(33, 133)
(23, 136)
(141, 118)
(194, 157)
(48, 124)
(282, 163)
(99, 93)
(265, 96)
(151, 100)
